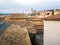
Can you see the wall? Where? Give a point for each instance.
(51, 32)
(15, 35)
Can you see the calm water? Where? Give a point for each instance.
(3, 26)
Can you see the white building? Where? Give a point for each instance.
(52, 30)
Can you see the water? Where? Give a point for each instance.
(3, 26)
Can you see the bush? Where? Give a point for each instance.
(33, 39)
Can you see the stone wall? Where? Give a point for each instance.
(15, 35)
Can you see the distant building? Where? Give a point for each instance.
(33, 12)
(52, 30)
(57, 11)
(46, 13)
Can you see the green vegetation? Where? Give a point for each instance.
(33, 39)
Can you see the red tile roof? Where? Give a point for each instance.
(53, 17)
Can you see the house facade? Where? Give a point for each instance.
(52, 30)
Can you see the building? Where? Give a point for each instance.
(57, 11)
(52, 30)
(45, 13)
(33, 12)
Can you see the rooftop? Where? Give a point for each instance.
(53, 17)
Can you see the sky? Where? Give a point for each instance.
(19, 6)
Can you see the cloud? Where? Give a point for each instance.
(26, 5)
(27, 2)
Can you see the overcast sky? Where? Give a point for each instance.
(18, 6)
